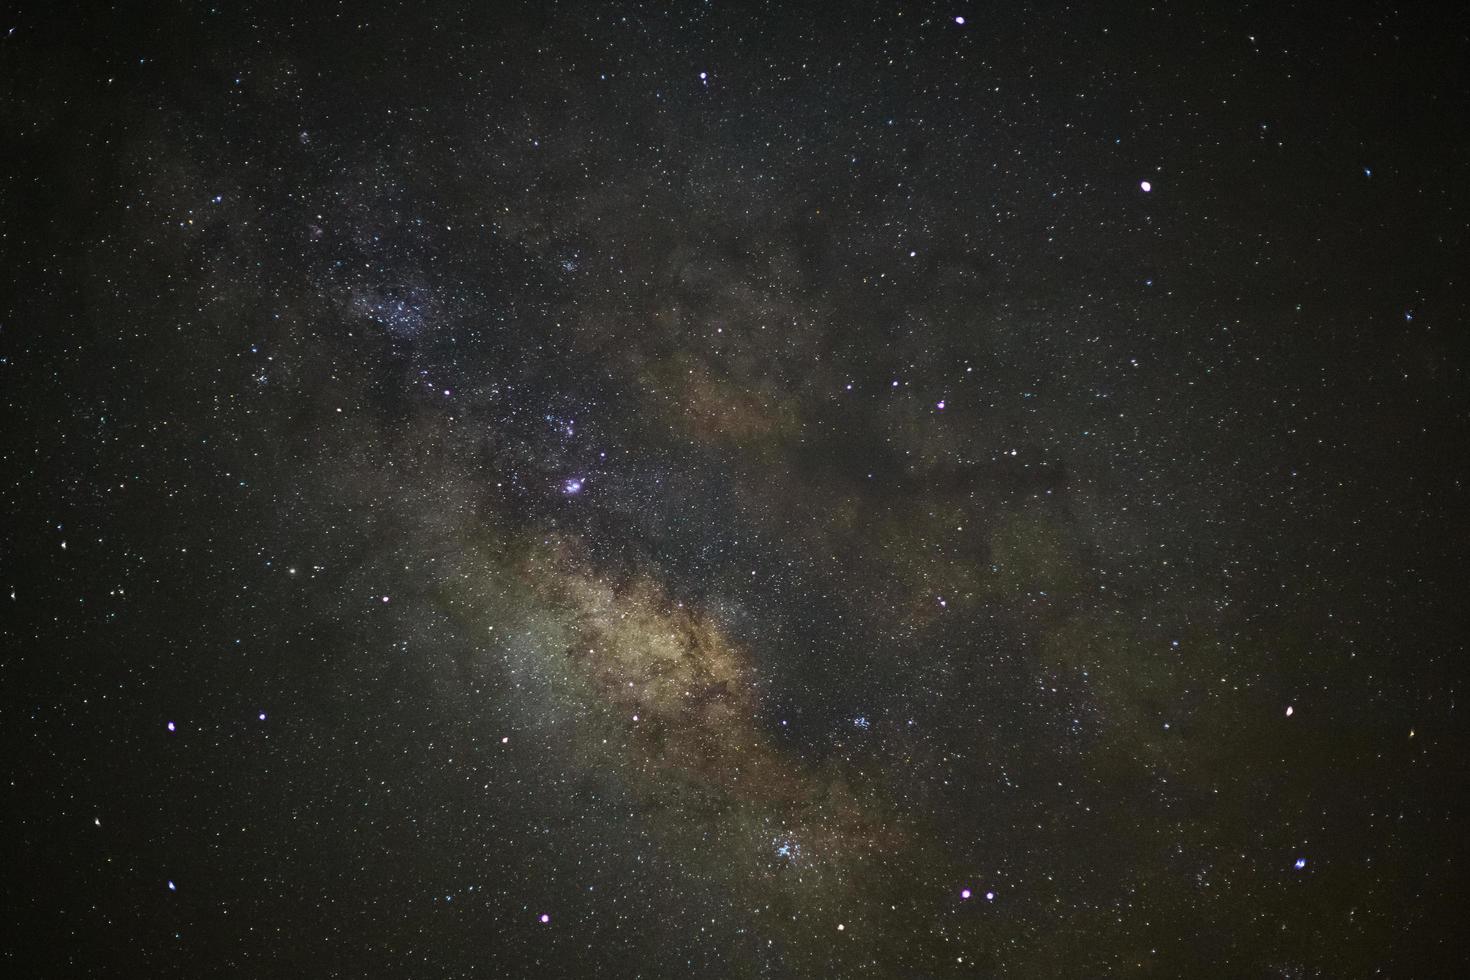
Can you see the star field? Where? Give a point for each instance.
(733, 490)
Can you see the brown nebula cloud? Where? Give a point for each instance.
(695, 399)
(675, 708)
(686, 696)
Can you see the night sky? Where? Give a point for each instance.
(725, 489)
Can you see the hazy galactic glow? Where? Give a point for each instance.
(805, 652)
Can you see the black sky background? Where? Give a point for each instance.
(306, 306)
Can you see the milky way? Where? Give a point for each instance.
(595, 490)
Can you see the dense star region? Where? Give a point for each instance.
(661, 490)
